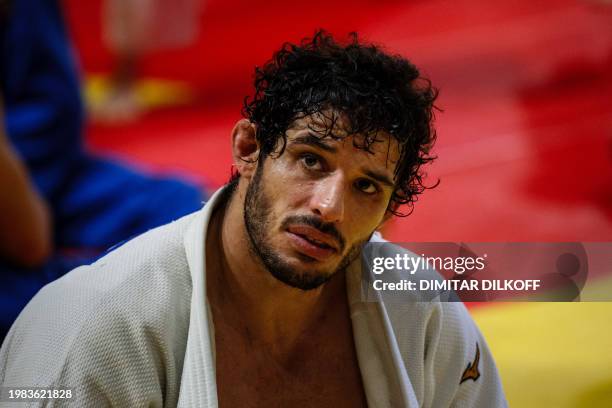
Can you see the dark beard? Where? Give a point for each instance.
(257, 222)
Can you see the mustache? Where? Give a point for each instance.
(311, 221)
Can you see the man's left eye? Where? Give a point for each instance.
(366, 186)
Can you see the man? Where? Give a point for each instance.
(254, 301)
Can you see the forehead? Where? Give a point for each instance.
(333, 129)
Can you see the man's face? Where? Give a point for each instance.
(308, 212)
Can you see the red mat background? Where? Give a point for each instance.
(525, 139)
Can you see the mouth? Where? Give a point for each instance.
(314, 236)
(311, 242)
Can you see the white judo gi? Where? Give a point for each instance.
(134, 329)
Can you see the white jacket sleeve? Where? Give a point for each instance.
(446, 357)
(102, 357)
(114, 331)
(460, 363)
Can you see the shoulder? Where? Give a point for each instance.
(142, 279)
(121, 320)
(458, 360)
(443, 351)
(445, 355)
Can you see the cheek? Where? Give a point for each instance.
(288, 192)
(298, 196)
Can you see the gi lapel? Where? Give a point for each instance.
(198, 383)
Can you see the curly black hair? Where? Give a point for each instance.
(374, 90)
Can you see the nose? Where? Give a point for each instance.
(328, 198)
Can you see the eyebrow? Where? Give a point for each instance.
(313, 140)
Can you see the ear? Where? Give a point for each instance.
(245, 149)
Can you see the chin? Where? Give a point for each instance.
(302, 272)
(301, 280)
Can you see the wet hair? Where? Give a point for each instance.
(369, 89)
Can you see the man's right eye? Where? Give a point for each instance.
(311, 162)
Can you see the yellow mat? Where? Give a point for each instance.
(551, 354)
(150, 93)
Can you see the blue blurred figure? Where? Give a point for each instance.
(93, 203)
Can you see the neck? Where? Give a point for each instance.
(243, 292)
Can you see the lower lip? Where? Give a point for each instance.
(306, 248)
